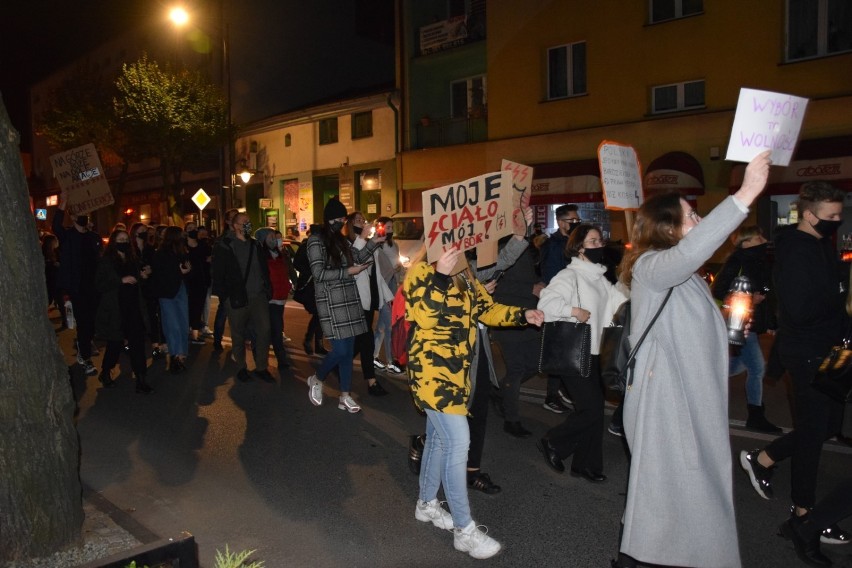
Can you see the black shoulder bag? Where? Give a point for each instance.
(617, 359)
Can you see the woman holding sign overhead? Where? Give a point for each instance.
(680, 506)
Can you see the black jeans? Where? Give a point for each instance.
(276, 332)
(818, 418)
(365, 344)
(520, 352)
(135, 337)
(85, 304)
(581, 434)
(834, 507)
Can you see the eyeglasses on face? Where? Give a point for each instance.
(569, 220)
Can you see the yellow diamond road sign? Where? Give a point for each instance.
(201, 199)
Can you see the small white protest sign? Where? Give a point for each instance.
(621, 176)
(80, 174)
(766, 121)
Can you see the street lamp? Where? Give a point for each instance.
(180, 17)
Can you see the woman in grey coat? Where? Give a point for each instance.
(676, 411)
(334, 265)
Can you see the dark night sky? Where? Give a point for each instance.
(284, 53)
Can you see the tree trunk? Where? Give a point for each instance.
(41, 507)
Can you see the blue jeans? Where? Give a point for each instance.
(174, 313)
(750, 360)
(340, 356)
(383, 333)
(445, 461)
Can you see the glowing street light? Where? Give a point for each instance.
(178, 16)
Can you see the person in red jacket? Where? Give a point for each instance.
(279, 276)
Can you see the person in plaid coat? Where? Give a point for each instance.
(334, 265)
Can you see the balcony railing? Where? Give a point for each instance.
(434, 133)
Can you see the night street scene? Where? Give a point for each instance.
(415, 283)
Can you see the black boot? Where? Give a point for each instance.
(106, 379)
(142, 387)
(415, 453)
(757, 421)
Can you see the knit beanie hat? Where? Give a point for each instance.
(334, 209)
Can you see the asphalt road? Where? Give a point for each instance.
(256, 466)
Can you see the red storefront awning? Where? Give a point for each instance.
(576, 181)
(675, 171)
(827, 159)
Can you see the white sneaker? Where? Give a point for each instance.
(378, 364)
(393, 368)
(475, 542)
(315, 390)
(348, 403)
(433, 512)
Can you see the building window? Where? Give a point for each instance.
(362, 125)
(566, 70)
(328, 131)
(469, 97)
(679, 96)
(662, 10)
(288, 140)
(816, 28)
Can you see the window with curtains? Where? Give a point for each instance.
(328, 131)
(662, 10)
(566, 70)
(362, 124)
(816, 28)
(678, 96)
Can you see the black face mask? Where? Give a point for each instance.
(192, 234)
(826, 228)
(122, 247)
(357, 230)
(757, 251)
(594, 255)
(572, 227)
(82, 220)
(336, 226)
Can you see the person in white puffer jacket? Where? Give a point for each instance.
(581, 292)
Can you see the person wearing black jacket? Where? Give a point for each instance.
(121, 317)
(750, 259)
(810, 282)
(168, 271)
(79, 251)
(144, 251)
(241, 278)
(518, 286)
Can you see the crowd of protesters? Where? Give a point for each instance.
(151, 286)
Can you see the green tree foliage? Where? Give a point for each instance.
(177, 116)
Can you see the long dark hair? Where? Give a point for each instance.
(336, 245)
(385, 221)
(47, 248)
(112, 252)
(173, 241)
(133, 244)
(658, 227)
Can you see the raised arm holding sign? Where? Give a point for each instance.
(766, 121)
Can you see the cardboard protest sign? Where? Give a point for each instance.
(82, 177)
(621, 176)
(766, 121)
(468, 214)
(522, 177)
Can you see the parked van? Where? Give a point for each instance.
(408, 235)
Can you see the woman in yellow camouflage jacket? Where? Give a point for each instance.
(443, 312)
